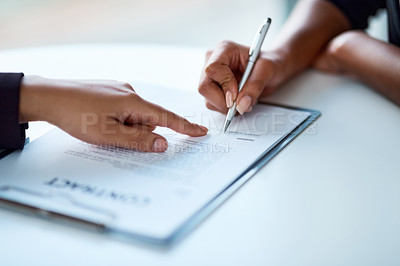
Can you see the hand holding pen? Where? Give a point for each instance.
(231, 62)
(253, 56)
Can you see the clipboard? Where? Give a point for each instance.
(102, 219)
(242, 179)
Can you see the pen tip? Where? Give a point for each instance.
(226, 125)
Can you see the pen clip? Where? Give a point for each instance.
(259, 39)
(256, 39)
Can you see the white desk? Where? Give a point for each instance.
(332, 197)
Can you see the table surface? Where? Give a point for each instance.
(330, 198)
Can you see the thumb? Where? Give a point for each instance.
(254, 86)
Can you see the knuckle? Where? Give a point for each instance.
(202, 89)
(226, 82)
(171, 119)
(211, 68)
(131, 96)
(128, 98)
(122, 86)
(226, 43)
(127, 85)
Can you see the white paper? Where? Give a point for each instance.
(144, 193)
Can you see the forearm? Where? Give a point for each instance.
(374, 62)
(310, 27)
(101, 112)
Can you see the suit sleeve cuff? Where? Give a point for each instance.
(12, 133)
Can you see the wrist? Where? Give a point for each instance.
(32, 102)
(279, 61)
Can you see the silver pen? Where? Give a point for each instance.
(253, 55)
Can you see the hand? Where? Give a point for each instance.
(100, 112)
(223, 70)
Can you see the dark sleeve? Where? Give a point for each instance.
(358, 11)
(12, 133)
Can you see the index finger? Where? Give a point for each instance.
(152, 114)
(220, 68)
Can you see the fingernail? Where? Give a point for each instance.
(203, 128)
(244, 104)
(229, 99)
(160, 145)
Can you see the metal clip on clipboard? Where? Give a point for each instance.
(74, 210)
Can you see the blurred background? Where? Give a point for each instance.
(175, 22)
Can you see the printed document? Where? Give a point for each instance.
(145, 194)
